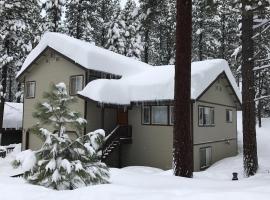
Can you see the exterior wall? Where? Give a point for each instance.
(94, 118)
(222, 137)
(49, 69)
(151, 145)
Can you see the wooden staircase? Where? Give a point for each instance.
(122, 134)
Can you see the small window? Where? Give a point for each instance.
(30, 89)
(206, 116)
(171, 115)
(76, 84)
(146, 115)
(159, 115)
(205, 157)
(229, 116)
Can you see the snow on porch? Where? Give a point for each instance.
(156, 84)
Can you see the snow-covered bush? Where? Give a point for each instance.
(62, 163)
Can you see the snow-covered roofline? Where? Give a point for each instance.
(85, 54)
(157, 84)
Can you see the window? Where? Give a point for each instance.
(205, 157)
(30, 89)
(76, 84)
(229, 116)
(146, 114)
(171, 115)
(159, 115)
(206, 116)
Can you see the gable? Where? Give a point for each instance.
(220, 92)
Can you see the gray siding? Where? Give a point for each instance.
(152, 145)
(94, 117)
(49, 69)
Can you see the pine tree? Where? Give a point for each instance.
(19, 30)
(116, 32)
(132, 26)
(79, 14)
(248, 92)
(54, 13)
(62, 163)
(182, 140)
(105, 11)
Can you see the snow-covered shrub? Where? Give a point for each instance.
(62, 163)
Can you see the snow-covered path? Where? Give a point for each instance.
(144, 183)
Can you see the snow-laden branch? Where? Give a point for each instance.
(261, 67)
(262, 97)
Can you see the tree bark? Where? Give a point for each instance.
(248, 92)
(4, 88)
(182, 141)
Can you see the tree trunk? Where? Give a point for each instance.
(248, 92)
(182, 141)
(4, 88)
(146, 47)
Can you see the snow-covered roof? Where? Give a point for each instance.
(157, 84)
(85, 54)
(13, 113)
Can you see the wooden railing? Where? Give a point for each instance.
(122, 134)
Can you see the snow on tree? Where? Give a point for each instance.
(62, 163)
(54, 13)
(105, 11)
(115, 35)
(18, 33)
(79, 16)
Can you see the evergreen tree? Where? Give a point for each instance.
(115, 35)
(182, 136)
(54, 13)
(105, 10)
(131, 24)
(19, 29)
(62, 163)
(79, 14)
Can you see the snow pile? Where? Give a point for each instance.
(13, 113)
(86, 54)
(156, 84)
(146, 183)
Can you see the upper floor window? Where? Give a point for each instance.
(206, 116)
(171, 115)
(159, 115)
(76, 84)
(229, 116)
(30, 89)
(146, 114)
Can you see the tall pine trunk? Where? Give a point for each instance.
(182, 141)
(4, 88)
(248, 92)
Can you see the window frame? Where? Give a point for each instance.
(171, 113)
(210, 160)
(25, 89)
(168, 106)
(167, 120)
(212, 109)
(70, 78)
(142, 117)
(230, 120)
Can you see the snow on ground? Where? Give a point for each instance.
(146, 183)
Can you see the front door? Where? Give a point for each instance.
(122, 117)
